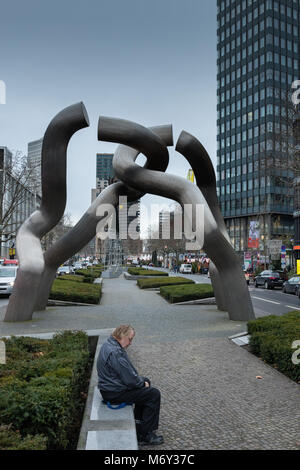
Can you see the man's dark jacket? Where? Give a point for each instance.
(115, 371)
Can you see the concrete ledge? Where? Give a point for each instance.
(103, 428)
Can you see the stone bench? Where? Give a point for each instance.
(103, 428)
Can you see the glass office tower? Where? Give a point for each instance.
(258, 60)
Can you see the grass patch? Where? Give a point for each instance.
(146, 272)
(184, 293)
(271, 339)
(74, 291)
(42, 391)
(158, 282)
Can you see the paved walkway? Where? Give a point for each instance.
(211, 398)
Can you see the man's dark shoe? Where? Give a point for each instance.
(150, 439)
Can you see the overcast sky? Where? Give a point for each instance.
(149, 61)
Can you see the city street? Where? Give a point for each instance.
(265, 302)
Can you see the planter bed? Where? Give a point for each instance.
(184, 293)
(74, 291)
(158, 282)
(271, 339)
(146, 272)
(43, 387)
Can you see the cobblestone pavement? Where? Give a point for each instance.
(211, 398)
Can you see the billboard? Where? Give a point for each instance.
(253, 240)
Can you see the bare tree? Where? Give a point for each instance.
(57, 232)
(17, 199)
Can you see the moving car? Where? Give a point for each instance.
(292, 285)
(185, 269)
(64, 270)
(269, 279)
(8, 276)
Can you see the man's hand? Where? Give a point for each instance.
(147, 384)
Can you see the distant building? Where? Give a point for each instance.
(34, 159)
(104, 177)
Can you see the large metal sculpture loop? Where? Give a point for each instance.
(34, 279)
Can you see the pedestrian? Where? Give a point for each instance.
(119, 382)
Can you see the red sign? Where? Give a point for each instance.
(253, 242)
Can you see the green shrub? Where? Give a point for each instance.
(12, 440)
(158, 282)
(89, 273)
(185, 293)
(75, 291)
(41, 398)
(271, 339)
(146, 272)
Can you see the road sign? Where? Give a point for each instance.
(274, 247)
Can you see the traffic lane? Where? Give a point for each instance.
(272, 302)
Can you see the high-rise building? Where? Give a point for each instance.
(258, 60)
(34, 160)
(104, 177)
(104, 170)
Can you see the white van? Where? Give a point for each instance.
(185, 269)
(7, 278)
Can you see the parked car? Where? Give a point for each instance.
(292, 285)
(8, 276)
(77, 266)
(10, 262)
(269, 279)
(185, 269)
(65, 270)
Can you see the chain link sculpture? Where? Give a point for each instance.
(34, 279)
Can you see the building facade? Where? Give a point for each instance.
(34, 159)
(258, 60)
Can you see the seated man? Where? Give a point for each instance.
(118, 382)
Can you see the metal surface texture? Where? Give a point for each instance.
(224, 291)
(31, 259)
(216, 244)
(152, 142)
(37, 269)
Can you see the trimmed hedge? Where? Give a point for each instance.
(185, 293)
(74, 291)
(42, 391)
(158, 282)
(271, 339)
(146, 272)
(90, 274)
(70, 277)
